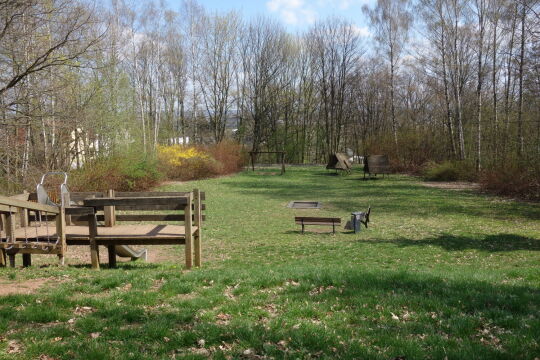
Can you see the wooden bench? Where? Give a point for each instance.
(307, 220)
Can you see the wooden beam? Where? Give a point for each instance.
(6, 201)
(152, 217)
(130, 241)
(124, 194)
(197, 222)
(136, 201)
(79, 210)
(8, 209)
(61, 234)
(112, 256)
(94, 249)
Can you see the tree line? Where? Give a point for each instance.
(434, 80)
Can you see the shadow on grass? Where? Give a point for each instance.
(492, 243)
(120, 266)
(328, 312)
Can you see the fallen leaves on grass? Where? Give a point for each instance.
(83, 310)
(223, 319)
(292, 283)
(488, 335)
(229, 291)
(14, 347)
(46, 357)
(321, 289)
(158, 284)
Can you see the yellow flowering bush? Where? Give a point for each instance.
(181, 162)
(175, 155)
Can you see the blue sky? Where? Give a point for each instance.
(296, 15)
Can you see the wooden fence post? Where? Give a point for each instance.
(198, 223)
(187, 227)
(110, 212)
(94, 250)
(10, 233)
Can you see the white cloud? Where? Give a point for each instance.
(342, 4)
(292, 11)
(361, 31)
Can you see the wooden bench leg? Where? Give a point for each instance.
(302, 226)
(27, 260)
(61, 259)
(333, 227)
(197, 249)
(112, 256)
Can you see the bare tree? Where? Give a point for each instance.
(391, 20)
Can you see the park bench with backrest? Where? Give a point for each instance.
(321, 221)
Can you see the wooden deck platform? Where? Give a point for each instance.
(139, 234)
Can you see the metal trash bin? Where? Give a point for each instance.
(356, 218)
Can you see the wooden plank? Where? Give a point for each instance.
(8, 209)
(152, 207)
(105, 241)
(31, 247)
(28, 205)
(317, 219)
(317, 223)
(24, 196)
(10, 227)
(121, 194)
(189, 236)
(79, 210)
(136, 201)
(153, 217)
(2, 258)
(197, 222)
(80, 196)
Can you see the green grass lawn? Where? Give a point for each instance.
(439, 274)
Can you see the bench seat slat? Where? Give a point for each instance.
(306, 219)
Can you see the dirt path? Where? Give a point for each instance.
(452, 185)
(25, 287)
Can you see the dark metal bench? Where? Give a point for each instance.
(307, 220)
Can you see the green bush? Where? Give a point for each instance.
(125, 172)
(450, 171)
